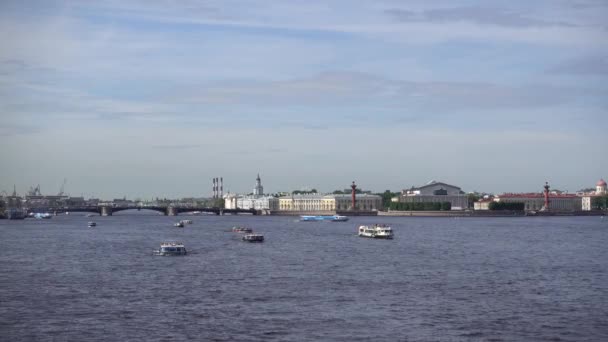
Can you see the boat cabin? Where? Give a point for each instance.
(253, 238)
(172, 248)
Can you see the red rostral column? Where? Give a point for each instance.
(546, 195)
(354, 187)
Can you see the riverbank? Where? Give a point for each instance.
(489, 213)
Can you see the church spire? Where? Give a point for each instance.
(259, 189)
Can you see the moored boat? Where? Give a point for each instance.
(377, 231)
(171, 248)
(253, 238)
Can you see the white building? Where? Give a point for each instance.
(587, 199)
(256, 201)
(434, 192)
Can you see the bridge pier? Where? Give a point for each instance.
(171, 211)
(106, 211)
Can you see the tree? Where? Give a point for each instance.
(387, 197)
(599, 202)
(472, 198)
(507, 206)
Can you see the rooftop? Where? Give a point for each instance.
(535, 195)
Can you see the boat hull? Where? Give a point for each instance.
(332, 218)
(384, 237)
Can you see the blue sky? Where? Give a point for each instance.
(154, 98)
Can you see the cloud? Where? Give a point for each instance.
(478, 15)
(15, 129)
(347, 89)
(177, 146)
(590, 65)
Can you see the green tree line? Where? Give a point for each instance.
(599, 203)
(416, 206)
(507, 206)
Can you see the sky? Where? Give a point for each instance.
(154, 98)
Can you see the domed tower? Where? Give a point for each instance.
(259, 189)
(600, 187)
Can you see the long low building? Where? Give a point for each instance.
(251, 202)
(536, 201)
(314, 202)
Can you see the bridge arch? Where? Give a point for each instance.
(162, 210)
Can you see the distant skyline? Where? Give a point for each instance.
(155, 98)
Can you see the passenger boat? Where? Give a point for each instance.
(171, 248)
(186, 221)
(253, 238)
(179, 224)
(377, 231)
(92, 224)
(332, 218)
(242, 229)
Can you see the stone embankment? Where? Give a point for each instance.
(439, 213)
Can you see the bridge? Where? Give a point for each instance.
(108, 210)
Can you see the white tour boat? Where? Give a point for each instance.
(377, 231)
(186, 221)
(171, 248)
(92, 224)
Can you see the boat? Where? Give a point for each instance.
(92, 224)
(186, 221)
(171, 248)
(339, 218)
(377, 231)
(332, 218)
(179, 224)
(253, 238)
(237, 229)
(90, 215)
(42, 216)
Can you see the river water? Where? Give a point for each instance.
(440, 279)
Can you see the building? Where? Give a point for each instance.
(256, 201)
(340, 202)
(483, 204)
(434, 192)
(259, 189)
(587, 199)
(536, 201)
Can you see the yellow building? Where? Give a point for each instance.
(328, 202)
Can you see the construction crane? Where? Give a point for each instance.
(62, 189)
